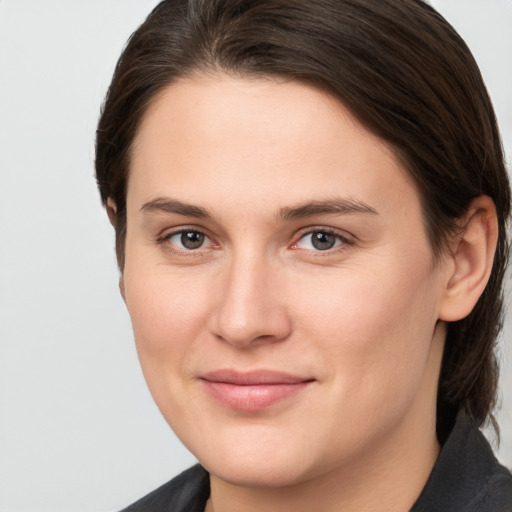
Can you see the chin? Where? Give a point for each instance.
(259, 459)
(268, 473)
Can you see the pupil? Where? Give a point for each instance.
(192, 239)
(323, 241)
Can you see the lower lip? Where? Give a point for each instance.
(252, 398)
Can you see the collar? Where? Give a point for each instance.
(466, 477)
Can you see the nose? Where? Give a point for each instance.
(251, 307)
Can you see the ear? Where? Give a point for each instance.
(470, 260)
(111, 208)
(121, 287)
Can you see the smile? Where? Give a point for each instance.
(252, 391)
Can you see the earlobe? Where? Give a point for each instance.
(111, 208)
(471, 260)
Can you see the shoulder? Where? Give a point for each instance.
(467, 476)
(188, 492)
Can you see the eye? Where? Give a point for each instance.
(320, 240)
(188, 240)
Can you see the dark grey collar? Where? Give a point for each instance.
(466, 477)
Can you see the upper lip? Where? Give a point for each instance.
(253, 377)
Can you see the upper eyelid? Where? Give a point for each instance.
(168, 233)
(163, 242)
(332, 231)
(347, 240)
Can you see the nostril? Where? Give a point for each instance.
(267, 328)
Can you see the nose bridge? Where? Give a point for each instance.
(251, 307)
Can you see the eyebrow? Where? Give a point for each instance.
(334, 206)
(331, 206)
(166, 205)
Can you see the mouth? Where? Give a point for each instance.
(252, 391)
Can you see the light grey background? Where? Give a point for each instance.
(78, 429)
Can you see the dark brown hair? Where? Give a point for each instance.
(399, 67)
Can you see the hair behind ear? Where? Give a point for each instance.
(472, 305)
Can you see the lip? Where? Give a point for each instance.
(252, 391)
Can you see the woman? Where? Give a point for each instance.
(310, 204)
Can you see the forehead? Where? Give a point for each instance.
(259, 139)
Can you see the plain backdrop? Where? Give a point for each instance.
(78, 429)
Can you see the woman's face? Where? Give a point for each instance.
(280, 281)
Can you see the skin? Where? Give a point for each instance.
(362, 321)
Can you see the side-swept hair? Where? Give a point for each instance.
(399, 67)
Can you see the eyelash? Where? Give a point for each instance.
(342, 241)
(164, 241)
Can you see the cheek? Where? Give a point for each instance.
(168, 319)
(376, 330)
(167, 313)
